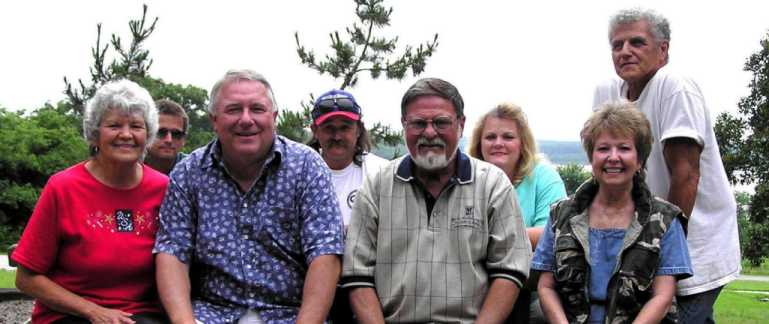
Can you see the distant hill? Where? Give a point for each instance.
(563, 152)
(558, 152)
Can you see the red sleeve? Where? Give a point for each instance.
(39, 243)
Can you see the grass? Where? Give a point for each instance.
(7, 279)
(741, 307)
(762, 269)
(748, 285)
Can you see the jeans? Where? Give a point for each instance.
(697, 308)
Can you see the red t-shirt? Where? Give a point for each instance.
(95, 241)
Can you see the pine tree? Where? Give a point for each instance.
(133, 63)
(361, 51)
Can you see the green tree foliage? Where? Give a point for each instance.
(744, 141)
(293, 124)
(751, 241)
(195, 103)
(573, 175)
(31, 149)
(360, 51)
(363, 51)
(34, 146)
(729, 133)
(133, 62)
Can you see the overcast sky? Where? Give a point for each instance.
(544, 55)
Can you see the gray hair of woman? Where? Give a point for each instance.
(125, 96)
(620, 119)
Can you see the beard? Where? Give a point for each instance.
(431, 161)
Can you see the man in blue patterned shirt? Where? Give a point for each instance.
(254, 215)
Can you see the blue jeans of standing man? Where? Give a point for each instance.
(697, 308)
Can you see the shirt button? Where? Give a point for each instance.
(245, 205)
(248, 266)
(245, 237)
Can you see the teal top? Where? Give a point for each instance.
(537, 192)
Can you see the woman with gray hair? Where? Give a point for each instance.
(612, 252)
(86, 253)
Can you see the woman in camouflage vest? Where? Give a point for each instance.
(612, 252)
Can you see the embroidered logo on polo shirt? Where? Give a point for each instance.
(466, 218)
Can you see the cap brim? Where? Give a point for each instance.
(349, 115)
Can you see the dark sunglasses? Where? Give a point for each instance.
(325, 106)
(175, 133)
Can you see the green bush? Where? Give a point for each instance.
(32, 148)
(573, 175)
(9, 235)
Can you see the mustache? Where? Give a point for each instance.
(334, 142)
(434, 142)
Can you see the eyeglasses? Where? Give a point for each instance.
(175, 133)
(440, 124)
(328, 105)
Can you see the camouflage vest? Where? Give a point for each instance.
(630, 286)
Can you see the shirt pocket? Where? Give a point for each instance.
(280, 231)
(640, 263)
(467, 224)
(571, 266)
(636, 275)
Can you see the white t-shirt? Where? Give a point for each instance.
(676, 107)
(347, 181)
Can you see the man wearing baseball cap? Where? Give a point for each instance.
(340, 137)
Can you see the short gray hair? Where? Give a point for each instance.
(239, 75)
(658, 24)
(434, 87)
(125, 96)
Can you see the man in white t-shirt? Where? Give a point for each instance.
(685, 164)
(341, 139)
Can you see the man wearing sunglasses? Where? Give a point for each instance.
(173, 125)
(436, 236)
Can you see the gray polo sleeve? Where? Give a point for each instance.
(509, 249)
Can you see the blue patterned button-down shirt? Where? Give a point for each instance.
(250, 250)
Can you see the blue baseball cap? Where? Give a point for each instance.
(335, 103)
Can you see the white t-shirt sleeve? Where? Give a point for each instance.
(607, 91)
(683, 114)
